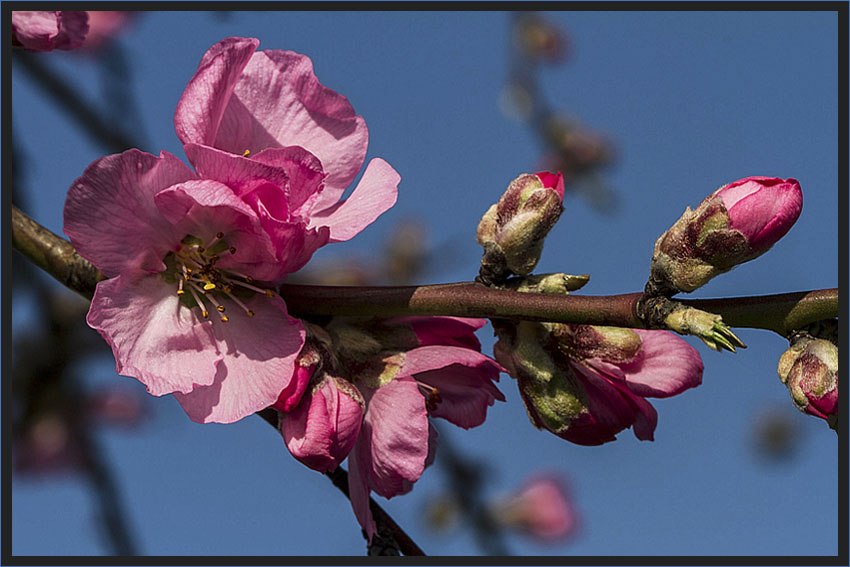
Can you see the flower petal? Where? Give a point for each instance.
(152, 336)
(257, 360)
(432, 357)
(375, 194)
(110, 214)
(665, 365)
(358, 487)
(394, 436)
(203, 102)
(465, 392)
(454, 331)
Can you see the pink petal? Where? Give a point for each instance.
(376, 193)
(45, 31)
(454, 331)
(322, 429)
(202, 208)
(665, 365)
(767, 215)
(152, 336)
(110, 214)
(200, 108)
(272, 102)
(554, 181)
(393, 443)
(432, 357)
(465, 393)
(256, 362)
(358, 488)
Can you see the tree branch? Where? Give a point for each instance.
(780, 313)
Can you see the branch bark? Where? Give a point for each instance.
(781, 313)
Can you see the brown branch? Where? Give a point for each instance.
(780, 313)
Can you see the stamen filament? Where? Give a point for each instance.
(238, 302)
(200, 303)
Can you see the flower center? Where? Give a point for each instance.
(200, 284)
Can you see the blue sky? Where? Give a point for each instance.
(692, 100)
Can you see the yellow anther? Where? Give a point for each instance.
(180, 292)
(220, 308)
(205, 313)
(209, 286)
(224, 319)
(250, 313)
(269, 293)
(249, 279)
(246, 153)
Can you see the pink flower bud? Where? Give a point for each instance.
(513, 229)
(541, 508)
(810, 371)
(46, 31)
(763, 209)
(322, 429)
(737, 223)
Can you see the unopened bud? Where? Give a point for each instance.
(708, 327)
(735, 224)
(556, 284)
(810, 371)
(512, 231)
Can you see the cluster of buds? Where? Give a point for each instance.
(809, 369)
(735, 224)
(513, 229)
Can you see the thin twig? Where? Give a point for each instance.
(383, 520)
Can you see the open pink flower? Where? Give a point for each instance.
(586, 384)
(260, 122)
(184, 309)
(46, 31)
(396, 442)
(193, 257)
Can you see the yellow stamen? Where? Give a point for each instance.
(180, 292)
(205, 313)
(209, 286)
(224, 319)
(246, 153)
(269, 293)
(250, 313)
(220, 308)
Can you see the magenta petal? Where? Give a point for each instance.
(665, 365)
(45, 31)
(279, 102)
(153, 338)
(110, 214)
(321, 431)
(376, 193)
(610, 409)
(454, 331)
(464, 392)
(432, 357)
(394, 436)
(257, 359)
(200, 108)
(358, 487)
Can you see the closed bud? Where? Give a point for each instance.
(810, 371)
(322, 429)
(735, 224)
(512, 231)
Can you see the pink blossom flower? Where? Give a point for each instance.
(398, 372)
(179, 246)
(260, 122)
(396, 442)
(187, 308)
(586, 384)
(46, 31)
(541, 508)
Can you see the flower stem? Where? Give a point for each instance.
(780, 313)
